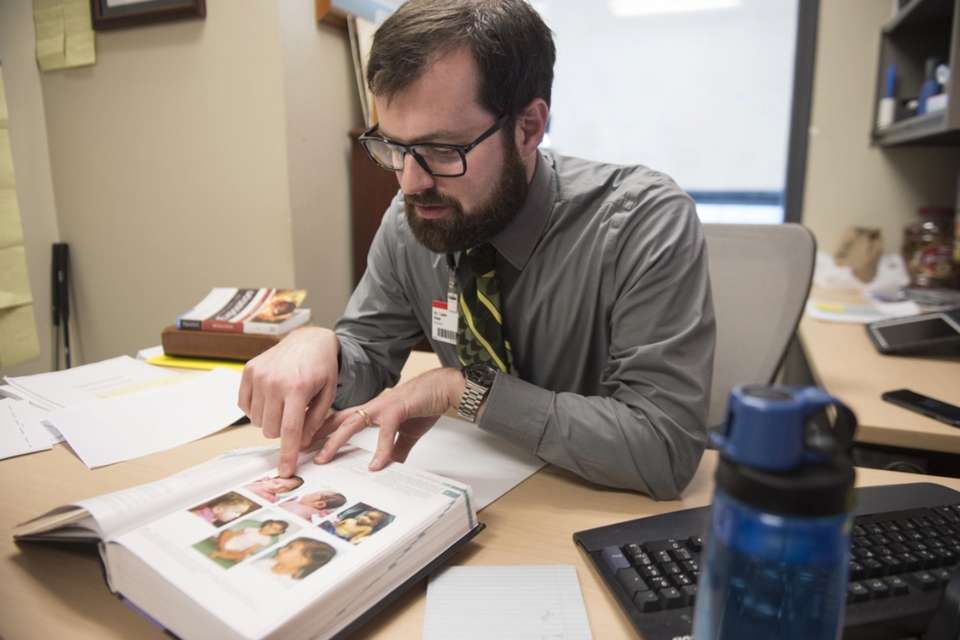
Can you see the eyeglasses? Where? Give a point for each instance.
(440, 160)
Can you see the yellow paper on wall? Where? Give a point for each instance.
(65, 36)
(18, 329)
(18, 336)
(3, 103)
(6, 161)
(11, 231)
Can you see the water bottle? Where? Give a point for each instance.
(777, 552)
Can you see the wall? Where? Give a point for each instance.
(28, 142)
(322, 105)
(190, 156)
(848, 181)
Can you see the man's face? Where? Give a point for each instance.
(453, 214)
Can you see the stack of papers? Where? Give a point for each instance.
(115, 410)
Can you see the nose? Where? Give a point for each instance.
(413, 178)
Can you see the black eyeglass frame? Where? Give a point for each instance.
(411, 148)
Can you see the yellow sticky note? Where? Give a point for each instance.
(18, 336)
(11, 231)
(81, 49)
(6, 161)
(13, 277)
(40, 5)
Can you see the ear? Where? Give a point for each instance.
(531, 125)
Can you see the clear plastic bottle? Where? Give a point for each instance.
(928, 247)
(778, 548)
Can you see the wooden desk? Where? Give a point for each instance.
(50, 593)
(845, 363)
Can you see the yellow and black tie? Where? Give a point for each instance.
(480, 338)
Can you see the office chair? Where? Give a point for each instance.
(760, 275)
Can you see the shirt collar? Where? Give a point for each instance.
(517, 242)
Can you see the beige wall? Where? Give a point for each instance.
(176, 161)
(849, 182)
(322, 105)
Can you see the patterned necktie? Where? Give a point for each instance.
(480, 336)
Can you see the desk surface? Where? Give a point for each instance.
(51, 593)
(845, 363)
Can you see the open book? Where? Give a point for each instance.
(228, 550)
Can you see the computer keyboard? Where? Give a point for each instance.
(905, 546)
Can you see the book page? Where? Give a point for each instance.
(258, 553)
(115, 513)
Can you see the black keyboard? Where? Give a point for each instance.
(905, 546)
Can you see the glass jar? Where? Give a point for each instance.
(928, 250)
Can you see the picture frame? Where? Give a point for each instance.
(121, 14)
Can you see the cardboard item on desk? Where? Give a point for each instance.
(217, 345)
(860, 249)
(190, 551)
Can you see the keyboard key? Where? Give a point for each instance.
(922, 580)
(681, 580)
(856, 592)
(857, 572)
(942, 576)
(650, 572)
(879, 538)
(615, 559)
(862, 553)
(873, 567)
(681, 554)
(858, 531)
(642, 560)
(893, 565)
(695, 543)
(881, 550)
(647, 601)
(631, 582)
(671, 598)
(690, 566)
(929, 560)
(877, 588)
(670, 568)
(873, 527)
(897, 585)
(947, 514)
(913, 562)
(688, 595)
(660, 583)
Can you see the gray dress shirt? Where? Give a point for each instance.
(606, 303)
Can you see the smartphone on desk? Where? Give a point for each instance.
(936, 409)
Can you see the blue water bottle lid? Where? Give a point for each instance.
(780, 453)
(771, 427)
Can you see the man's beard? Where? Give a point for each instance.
(459, 230)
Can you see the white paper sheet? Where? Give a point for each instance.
(461, 451)
(507, 603)
(21, 430)
(70, 387)
(128, 426)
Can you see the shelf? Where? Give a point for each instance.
(929, 129)
(921, 14)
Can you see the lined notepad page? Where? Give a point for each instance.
(507, 603)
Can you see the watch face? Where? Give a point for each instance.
(480, 374)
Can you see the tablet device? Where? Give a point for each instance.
(932, 333)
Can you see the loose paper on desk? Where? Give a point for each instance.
(859, 313)
(21, 429)
(507, 603)
(459, 450)
(59, 389)
(136, 424)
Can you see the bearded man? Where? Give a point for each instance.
(568, 300)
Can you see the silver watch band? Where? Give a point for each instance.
(470, 402)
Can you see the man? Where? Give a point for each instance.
(582, 297)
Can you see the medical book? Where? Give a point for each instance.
(268, 311)
(229, 550)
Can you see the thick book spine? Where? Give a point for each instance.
(213, 344)
(219, 325)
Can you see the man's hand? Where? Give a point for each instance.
(404, 414)
(280, 384)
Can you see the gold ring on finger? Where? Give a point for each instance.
(366, 417)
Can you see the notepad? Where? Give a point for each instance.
(507, 603)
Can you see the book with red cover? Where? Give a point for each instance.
(260, 311)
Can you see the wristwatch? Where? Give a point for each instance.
(479, 379)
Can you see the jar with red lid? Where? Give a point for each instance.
(928, 250)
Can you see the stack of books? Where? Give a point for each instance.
(235, 324)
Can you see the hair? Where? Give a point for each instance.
(283, 522)
(318, 553)
(228, 499)
(334, 500)
(510, 44)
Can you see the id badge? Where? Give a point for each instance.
(444, 323)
